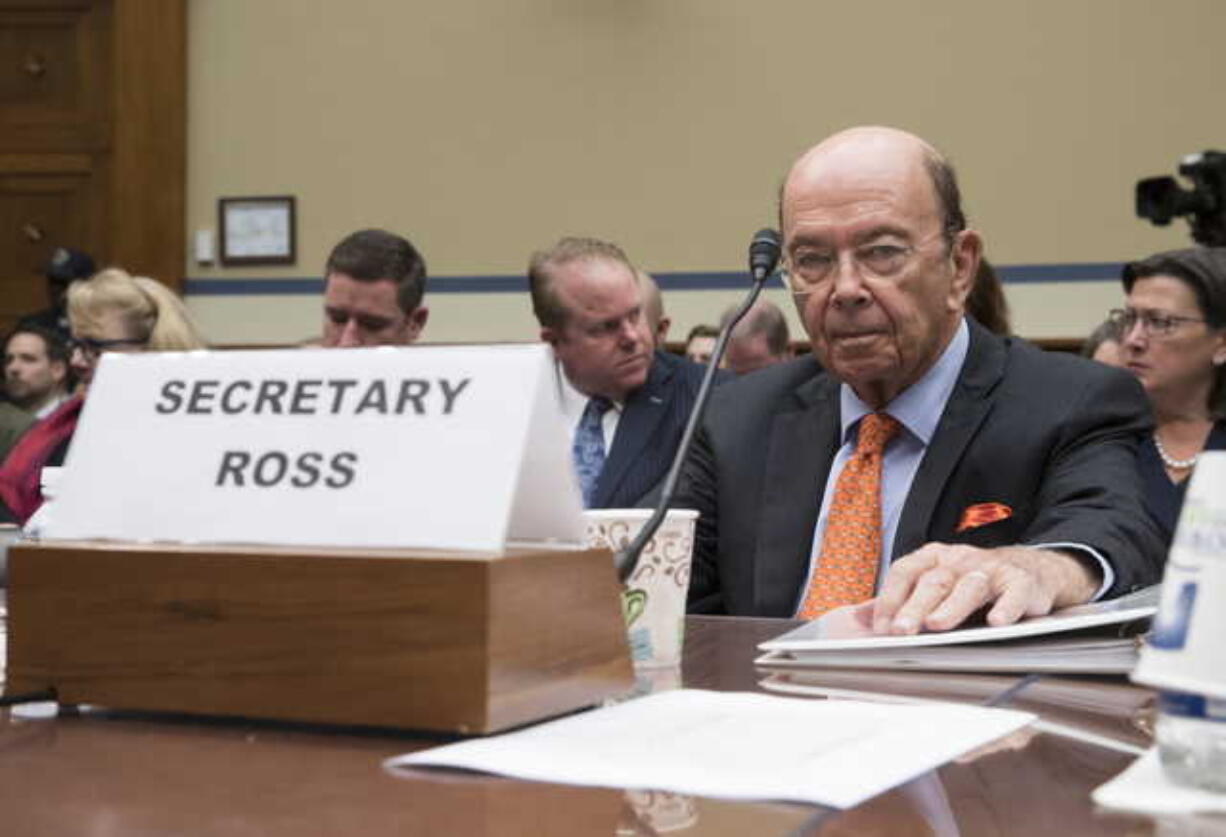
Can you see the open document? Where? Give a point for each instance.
(1098, 638)
(736, 746)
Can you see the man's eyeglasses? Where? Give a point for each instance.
(807, 266)
(1153, 323)
(92, 348)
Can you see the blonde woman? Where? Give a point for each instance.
(112, 311)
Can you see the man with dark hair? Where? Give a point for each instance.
(626, 402)
(36, 373)
(759, 340)
(374, 281)
(917, 464)
(700, 342)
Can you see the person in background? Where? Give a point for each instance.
(653, 309)
(1173, 339)
(14, 422)
(111, 312)
(987, 303)
(759, 340)
(700, 343)
(1103, 345)
(65, 267)
(626, 402)
(374, 282)
(36, 374)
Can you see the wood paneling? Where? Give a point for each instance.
(40, 207)
(55, 95)
(149, 159)
(92, 139)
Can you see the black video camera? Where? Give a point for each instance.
(1161, 198)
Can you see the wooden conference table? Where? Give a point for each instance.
(134, 774)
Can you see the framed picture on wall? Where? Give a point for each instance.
(257, 230)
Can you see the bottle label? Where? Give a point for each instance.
(1181, 705)
(1170, 631)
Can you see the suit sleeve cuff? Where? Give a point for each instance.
(1103, 564)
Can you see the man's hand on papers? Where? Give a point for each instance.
(847, 622)
(937, 587)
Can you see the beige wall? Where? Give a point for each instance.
(483, 130)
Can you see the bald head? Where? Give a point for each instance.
(877, 256)
(759, 340)
(868, 150)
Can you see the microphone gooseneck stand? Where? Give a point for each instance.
(763, 256)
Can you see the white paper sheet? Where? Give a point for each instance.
(1145, 787)
(736, 746)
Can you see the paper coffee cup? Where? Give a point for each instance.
(1184, 651)
(653, 601)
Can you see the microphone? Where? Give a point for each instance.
(764, 253)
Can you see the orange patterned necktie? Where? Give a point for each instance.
(846, 571)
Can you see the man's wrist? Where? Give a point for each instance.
(1079, 577)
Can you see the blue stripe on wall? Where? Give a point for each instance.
(682, 281)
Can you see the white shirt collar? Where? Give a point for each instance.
(572, 401)
(49, 408)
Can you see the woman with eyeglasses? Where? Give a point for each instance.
(1173, 338)
(110, 312)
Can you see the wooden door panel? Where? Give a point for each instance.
(38, 212)
(54, 87)
(93, 145)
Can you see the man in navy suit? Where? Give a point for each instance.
(1002, 479)
(626, 402)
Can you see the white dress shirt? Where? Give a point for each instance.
(573, 402)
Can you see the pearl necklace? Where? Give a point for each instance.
(1170, 461)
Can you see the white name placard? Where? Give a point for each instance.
(457, 447)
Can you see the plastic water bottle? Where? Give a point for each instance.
(1191, 733)
(1184, 656)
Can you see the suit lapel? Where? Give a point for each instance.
(803, 440)
(643, 412)
(968, 405)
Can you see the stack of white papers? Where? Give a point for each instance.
(1092, 639)
(736, 746)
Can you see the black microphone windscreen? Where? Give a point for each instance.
(764, 253)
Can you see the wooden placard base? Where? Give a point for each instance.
(440, 641)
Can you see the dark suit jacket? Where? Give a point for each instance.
(648, 433)
(1054, 437)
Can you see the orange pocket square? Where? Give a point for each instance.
(981, 514)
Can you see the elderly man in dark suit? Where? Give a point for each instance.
(933, 470)
(627, 403)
